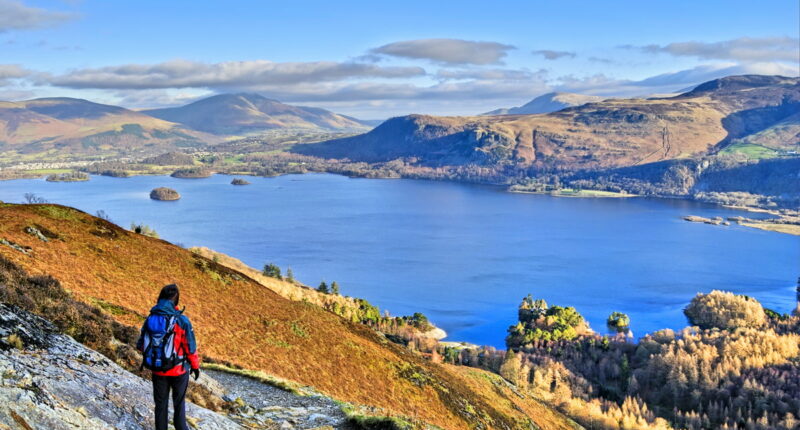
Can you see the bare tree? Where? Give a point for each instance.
(32, 198)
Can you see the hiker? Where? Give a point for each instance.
(169, 351)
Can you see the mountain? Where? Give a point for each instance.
(64, 127)
(607, 134)
(243, 324)
(546, 103)
(238, 114)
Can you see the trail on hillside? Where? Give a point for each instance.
(262, 404)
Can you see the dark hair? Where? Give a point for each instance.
(170, 292)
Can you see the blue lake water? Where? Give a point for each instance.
(464, 255)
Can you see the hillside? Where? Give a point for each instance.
(244, 323)
(608, 134)
(546, 103)
(63, 127)
(241, 114)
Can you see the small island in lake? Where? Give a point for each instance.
(714, 221)
(165, 194)
(68, 177)
(240, 181)
(191, 173)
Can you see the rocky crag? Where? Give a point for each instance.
(51, 381)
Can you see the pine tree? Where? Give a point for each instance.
(334, 288)
(289, 274)
(323, 288)
(272, 270)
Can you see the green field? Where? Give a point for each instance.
(753, 151)
(48, 171)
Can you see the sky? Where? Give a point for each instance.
(375, 59)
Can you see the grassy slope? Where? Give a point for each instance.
(597, 135)
(242, 322)
(753, 109)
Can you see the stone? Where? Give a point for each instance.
(56, 383)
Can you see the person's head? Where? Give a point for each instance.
(170, 292)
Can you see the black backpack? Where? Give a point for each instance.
(159, 343)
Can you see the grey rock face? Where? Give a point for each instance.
(49, 381)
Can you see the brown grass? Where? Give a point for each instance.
(242, 322)
(770, 226)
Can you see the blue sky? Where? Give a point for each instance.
(378, 59)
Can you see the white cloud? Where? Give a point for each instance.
(12, 71)
(148, 99)
(16, 95)
(668, 82)
(447, 51)
(225, 75)
(742, 49)
(489, 74)
(553, 55)
(14, 15)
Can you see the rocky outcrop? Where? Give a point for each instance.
(713, 221)
(256, 404)
(49, 381)
(165, 194)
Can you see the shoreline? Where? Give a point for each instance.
(790, 218)
(786, 224)
(581, 194)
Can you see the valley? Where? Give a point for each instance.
(731, 141)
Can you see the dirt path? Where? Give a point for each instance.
(267, 406)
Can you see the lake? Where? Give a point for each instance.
(464, 255)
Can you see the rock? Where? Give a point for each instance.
(33, 231)
(23, 249)
(694, 218)
(434, 333)
(165, 194)
(277, 407)
(212, 386)
(55, 383)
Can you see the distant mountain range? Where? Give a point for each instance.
(546, 103)
(70, 126)
(236, 114)
(62, 127)
(753, 110)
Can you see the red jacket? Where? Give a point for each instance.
(185, 344)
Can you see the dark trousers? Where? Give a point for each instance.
(161, 388)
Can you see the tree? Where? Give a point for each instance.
(32, 198)
(103, 215)
(143, 229)
(725, 311)
(619, 322)
(289, 274)
(334, 288)
(323, 288)
(512, 364)
(272, 270)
